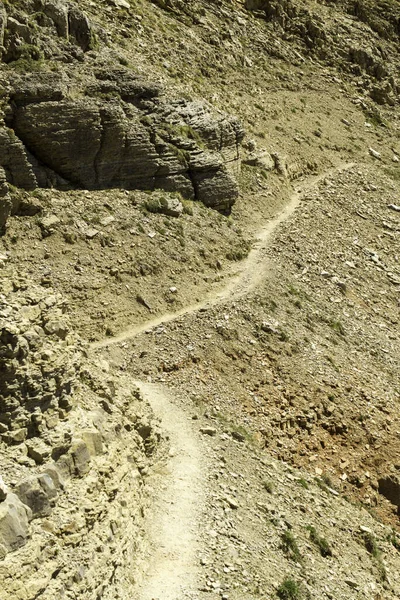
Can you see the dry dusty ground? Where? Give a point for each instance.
(280, 369)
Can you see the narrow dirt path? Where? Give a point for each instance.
(252, 270)
(173, 524)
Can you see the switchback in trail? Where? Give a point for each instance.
(252, 270)
(173, 525)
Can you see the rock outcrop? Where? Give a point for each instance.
(14, 524)
(75, 445)
(52, 23)
(330, 39)
(39, 361)
(122, 133)
(115, 130)
(389, 486)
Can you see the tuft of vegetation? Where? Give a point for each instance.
(303, 483)
(324, 482)
(322, 544)
(394, 540)
(283, 336)
(289, 590)
(290, 547)
(30, 59)
(188, 207)
(338, 327)
(373, 548)
(370, 544)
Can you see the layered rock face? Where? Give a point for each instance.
(114, 130)
(121, 133)
(75, 444)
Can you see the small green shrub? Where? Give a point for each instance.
(370, 544)
(303, 483)
(322, 544)
(290, 547)
(153, 205)
(289, 590)
(394, 540)
(188, 207)
(29, 51)
(338, 327)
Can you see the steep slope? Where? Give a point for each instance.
(266, 340)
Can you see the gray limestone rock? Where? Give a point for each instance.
(81, 457)
(58, 13)
(389, 487)
(38, 450)
(14, 523)
(134, 139)
(37, 492)
(80, 28)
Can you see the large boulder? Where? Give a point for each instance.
(389, 486)
(14, 524)
(36, 493)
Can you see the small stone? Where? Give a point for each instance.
(38, 450)
(365, 529)
(47, 223)
(16, 437)
(351, 583)
(238, 436)
(374, 153)
(91, 233)
(57, 327)
(394, 207)
(173, 290)
(208, 431)
(270, 326)
(107, 221)
(121, 4)
(233, 503)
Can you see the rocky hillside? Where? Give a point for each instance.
(199, 299)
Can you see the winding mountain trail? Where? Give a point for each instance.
(252, 269)
(173, 525)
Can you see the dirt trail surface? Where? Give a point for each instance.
(173, 526)
(252, 269)
(173, 522)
